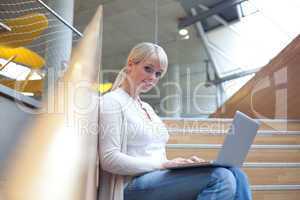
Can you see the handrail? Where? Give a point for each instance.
(19, 97)
(60, 18)
(4, 27)
(57, 158)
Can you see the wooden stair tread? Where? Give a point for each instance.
(273, 176)
(218, 139)
(276, 195)
(257, 155)
(219, 124)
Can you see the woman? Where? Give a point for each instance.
(133, 139)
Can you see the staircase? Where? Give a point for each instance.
(272, 165)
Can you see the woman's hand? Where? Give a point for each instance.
(195, 159)
(178, 161)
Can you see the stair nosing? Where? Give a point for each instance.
(224, 132)
(219, 146)
(271, 165)
(274, 187)
(225, 119)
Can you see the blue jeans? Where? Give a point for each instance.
(190, 184)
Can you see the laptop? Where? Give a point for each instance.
(236, 145)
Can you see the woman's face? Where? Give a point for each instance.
(144, 75)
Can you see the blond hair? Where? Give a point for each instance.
(139, 53)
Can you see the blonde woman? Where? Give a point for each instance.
(133, 139)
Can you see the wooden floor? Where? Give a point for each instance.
(272, 132)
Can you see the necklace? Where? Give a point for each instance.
(144, 109)
(139, 102)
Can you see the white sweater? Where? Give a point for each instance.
(145, 139)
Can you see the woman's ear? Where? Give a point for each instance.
(129, 66)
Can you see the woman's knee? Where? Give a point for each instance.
(239, 173)
(225, 180)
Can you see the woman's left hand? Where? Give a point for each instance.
(195, 159)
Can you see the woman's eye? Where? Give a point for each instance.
(148, 69)
(158, 74)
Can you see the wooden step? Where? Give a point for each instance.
(1, 189)
(254, 155)
(276, 195)
(194, 138)
(223, 124)
(273, 176)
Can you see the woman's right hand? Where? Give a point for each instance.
(177, 161)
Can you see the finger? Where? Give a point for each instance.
(183, 161)
(189, 161)
(197, 159)
(178, 159)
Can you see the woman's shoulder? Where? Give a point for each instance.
(110, 100)
(111, 95)
(114, 100)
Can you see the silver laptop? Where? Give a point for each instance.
(236, 145)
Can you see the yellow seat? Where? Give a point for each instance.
(23, 56)
(24, 29)
(104, 87)
(20, 32)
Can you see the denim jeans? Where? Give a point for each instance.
(190, 184)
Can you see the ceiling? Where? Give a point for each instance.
(128, 22)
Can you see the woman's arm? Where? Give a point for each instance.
(111, 157)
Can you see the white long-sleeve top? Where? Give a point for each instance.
(146, 139)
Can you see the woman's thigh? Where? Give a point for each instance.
(183, 184)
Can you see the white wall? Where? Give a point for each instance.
(250, 43)
(256, 39)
